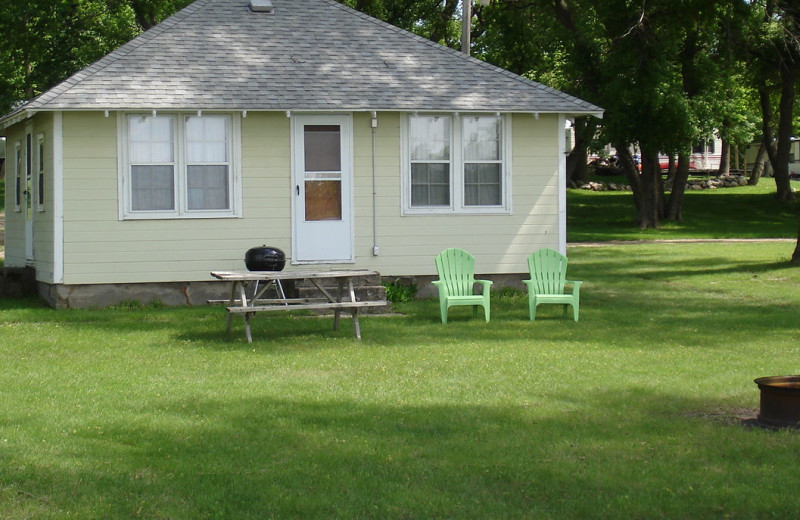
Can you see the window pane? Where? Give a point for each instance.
(322, 145)
(482, 185)
(430, 184)
(152, 188)
(323, 200)
(207, 187)
(151, 139)
(429, 138)
(482, 138)
(206, 139)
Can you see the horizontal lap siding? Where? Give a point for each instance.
(41, 124)
(15, 220)
(99, 248)
(44, 221)
(500, 243)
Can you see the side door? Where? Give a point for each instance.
(323, 189)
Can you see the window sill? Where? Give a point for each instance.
(493, 210)
(165, 216)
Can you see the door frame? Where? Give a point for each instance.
(345, 121)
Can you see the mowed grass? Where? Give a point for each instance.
(743, 212)
(633, 412)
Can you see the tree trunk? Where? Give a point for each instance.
(584, 130)
(758, 166)
(673, 167)
(725, 159)
(767, 140)
(577, 171)
(652, 209)
(625, 161)
(796, 254)
(780, 168)
(674, 210)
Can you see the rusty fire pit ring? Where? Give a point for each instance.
(780, 400)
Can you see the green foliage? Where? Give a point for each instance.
(399, 291)
(436, 20)
(510, 294)
(634, 412)
(45, 41)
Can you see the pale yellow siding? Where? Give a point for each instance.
(500, 243)
(100, 248)
(43, 253)
(15, 220)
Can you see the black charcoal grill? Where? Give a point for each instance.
(265, 258)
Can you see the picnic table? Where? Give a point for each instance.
(343, 296)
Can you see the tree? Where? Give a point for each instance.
(773, 43)
(45, 41)
(435, 20)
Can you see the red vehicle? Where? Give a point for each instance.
(664, 162)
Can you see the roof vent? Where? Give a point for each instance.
(261, 6)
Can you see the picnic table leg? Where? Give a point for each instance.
(351, 289)
(337, 312)
(356, 326)
(247, 326)
(230, 304)
(246, 315)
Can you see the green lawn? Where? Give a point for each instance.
(634, 412)
(744, 212)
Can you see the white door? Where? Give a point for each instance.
(323, 187)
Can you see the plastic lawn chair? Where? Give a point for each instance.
(548, 269)
(456, 283)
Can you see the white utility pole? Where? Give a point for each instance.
(466, 23)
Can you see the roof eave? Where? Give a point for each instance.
(12, 118)
(25, 113)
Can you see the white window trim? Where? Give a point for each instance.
(457, 205)
(181, 210)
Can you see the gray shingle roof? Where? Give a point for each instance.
(306, 55)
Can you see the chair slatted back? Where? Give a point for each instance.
(456, 268)
(548, 268)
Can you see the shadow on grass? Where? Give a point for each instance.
(612, 454)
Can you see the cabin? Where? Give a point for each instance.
(299, 124)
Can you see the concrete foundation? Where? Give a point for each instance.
(106, 295)
(199, 292)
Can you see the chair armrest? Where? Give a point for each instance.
(441, 286)
(485, 284)
(576, 285)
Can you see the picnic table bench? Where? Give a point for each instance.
(343, 297)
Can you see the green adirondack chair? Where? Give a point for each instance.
(548, 270)
(456, 282)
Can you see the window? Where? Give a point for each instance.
(430, 161)
(456, 164)
(40, 172)
(704, 147)
(179, 166)
(18, 169)
(483, 161)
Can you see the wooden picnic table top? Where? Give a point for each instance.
(298, 274)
